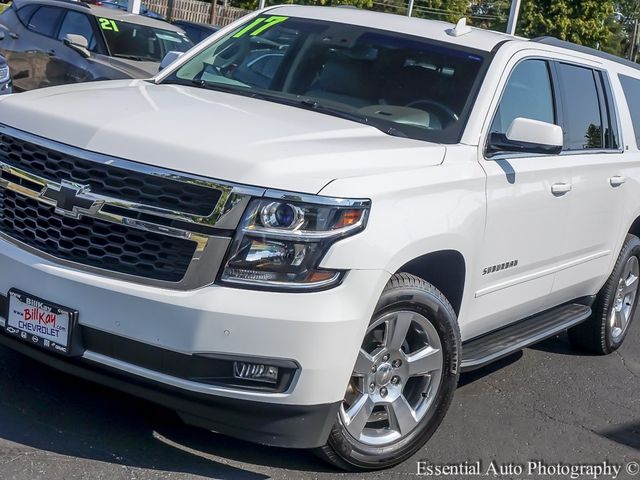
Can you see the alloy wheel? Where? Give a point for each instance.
(626, 293)
(395, 379)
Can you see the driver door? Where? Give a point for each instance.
(527, 209)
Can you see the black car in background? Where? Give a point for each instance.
(54, 42)
(196, 31)
(5, 77)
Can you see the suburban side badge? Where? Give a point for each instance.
(499, 267)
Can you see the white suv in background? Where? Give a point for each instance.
(304, 229)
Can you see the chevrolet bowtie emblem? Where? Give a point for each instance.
(71, 200)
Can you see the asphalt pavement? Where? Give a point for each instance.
(549, 404)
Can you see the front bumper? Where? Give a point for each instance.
(321, 332)
(290, 426)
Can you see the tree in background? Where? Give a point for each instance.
(447, 10)
(605, 24)
(624, 26)
(585, 22)
(490, 14)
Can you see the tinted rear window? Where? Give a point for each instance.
(581, 113)
(631, 87)
(46, 20)
(24, 14)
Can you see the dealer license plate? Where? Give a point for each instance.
(38, 322)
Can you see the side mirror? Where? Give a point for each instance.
(79, 43)
(527, 136)
(169, 58)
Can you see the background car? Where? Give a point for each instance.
(124, 5)
(5, 77)
(54, 42)
(196, 32)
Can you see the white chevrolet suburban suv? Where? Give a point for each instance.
(301, 231)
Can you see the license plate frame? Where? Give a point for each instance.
(46, 319)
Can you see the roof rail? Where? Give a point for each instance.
(582, 49)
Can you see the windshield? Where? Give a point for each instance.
(406, 86)
(141, 42)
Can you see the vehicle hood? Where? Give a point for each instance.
(217, 135)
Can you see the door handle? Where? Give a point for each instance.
(13, 35)
(51, 53)
(617, 180)
(560, 188)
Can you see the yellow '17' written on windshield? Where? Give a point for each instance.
(259, 25)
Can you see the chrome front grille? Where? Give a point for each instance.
(94, 242)
(107, 215)
(116, 182)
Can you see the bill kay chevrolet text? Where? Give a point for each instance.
(302, 230)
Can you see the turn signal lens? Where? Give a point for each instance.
(347, 218)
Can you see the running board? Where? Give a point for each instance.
(478, 352)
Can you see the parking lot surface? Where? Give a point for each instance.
(549, 403)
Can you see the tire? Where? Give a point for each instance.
(407, 304)
(607, 327)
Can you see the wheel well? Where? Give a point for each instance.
(445, 270)
(635, 227)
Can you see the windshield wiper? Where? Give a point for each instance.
(353, 116)
(134, 57)
(306, 103)
(312, 104)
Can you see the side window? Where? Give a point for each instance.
(581, 113)
(45, 21)
(611, 133)
(78, 24)
(528, 94)
(24, 14)
(631, 88)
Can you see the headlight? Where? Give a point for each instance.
(4, 73)
(281, 241)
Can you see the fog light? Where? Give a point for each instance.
(255, 371)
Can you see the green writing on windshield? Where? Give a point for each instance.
(259, 25)
(107, 24)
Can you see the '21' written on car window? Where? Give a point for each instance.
(107, 24)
